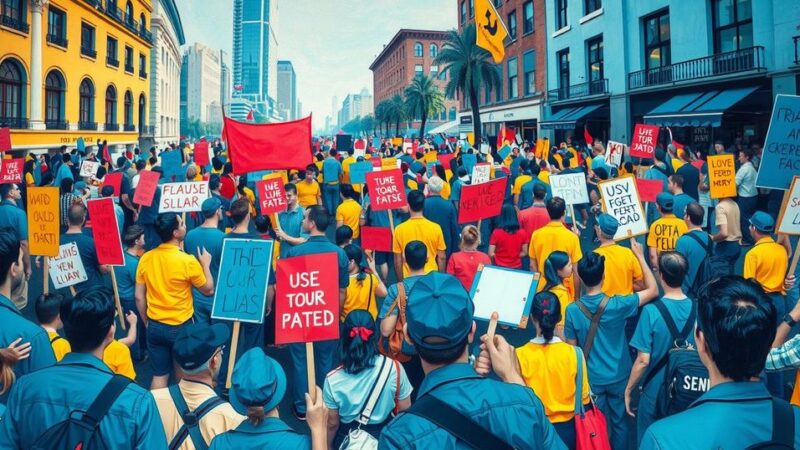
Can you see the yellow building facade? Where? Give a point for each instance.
(74, 68)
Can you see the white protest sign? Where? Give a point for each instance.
(89, 168)
(789, 220)
(614, 152)
(66, 269)
(571, 187)
(481, 173)
(508, 292)
(621, 200)
(485, 149)
(182, 197)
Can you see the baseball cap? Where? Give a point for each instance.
(608, 224)
(196, 343)
(665, 200)
(762, 222)
(257, 380)
(210, 205)
(439, 312)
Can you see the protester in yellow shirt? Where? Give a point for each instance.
(623, 273)
(557, 269)
(349, 211)
(365, 287)
(555, 236)
(308, 191)
(346, 166)
(665, 231)
(418, 228)
(768, 260)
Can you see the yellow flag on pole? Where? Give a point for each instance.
(490, 29)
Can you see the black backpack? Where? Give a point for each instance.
(81, 430)
(782, 428)
(711, 267)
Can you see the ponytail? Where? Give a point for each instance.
(555, 262)
(256, 414)
(355, 254)
(7, 377)
(546, 311)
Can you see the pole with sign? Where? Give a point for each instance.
(789, 219)
(43, 222)
(108, 243)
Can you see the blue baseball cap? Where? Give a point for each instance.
(608, 224)
(257, 380)
(665, 200)
(762, 222)
(211, 204)
(439, 312)
(196, 343)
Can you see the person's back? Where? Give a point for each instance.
(88, 254)
(691, 180)
(533, 218)
(443, 213)
(693, 246)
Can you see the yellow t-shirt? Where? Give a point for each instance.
(446, 190)
(676, 164)
(29, 180)
(550, 370)
(419, 229)
(349, 212)
(519, 182)
(60, 345)
(360, 296)
(346, 168)
(622, 268)
(169, 274)
(544, 176)
(664, 233)
(117, 356)
(307, 193)
(551, 237)
(564, 299)
(767, 262)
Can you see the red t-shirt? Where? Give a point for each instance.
(227, 188)
(533, 218)
(508, 247)
(464, 265)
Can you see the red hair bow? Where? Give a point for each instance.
(363, 332)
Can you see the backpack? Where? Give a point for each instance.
(358, 439)
(782, 428)
(81, 429)
(711, 267)
(191, 419)
(685, 376)
(594, 320)
(392, 346)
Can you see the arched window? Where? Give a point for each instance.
(54, 87)
(129, 12)
(12, 80)
(142, 21)
(142, 111)
(111, 107)
(128, 108)
(418, 49)
(86, 105)
(434, 50)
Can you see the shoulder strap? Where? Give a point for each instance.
(107, 396)
(782, 423)
(55, 338)
(673, 330)
(706, 246)
(595, 318)
(369, 293)
(579, 382)
(401, 298)
(191, 419)
(375, 392)
(457, 424)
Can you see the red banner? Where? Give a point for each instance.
(5, 139)
(114, 180)
(201, 157)
(643, 144)
(481, 201)
(105, 231)
(376, 238)
(269, 146)
(386, 190)
(444, 159)
(146, 189)
(649, 189)
(307, 299)
(271, 196)
(11, 170)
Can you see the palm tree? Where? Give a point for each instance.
(471, 68)
(396, 112)
(381, 115)
(367, 124)
(423, 99)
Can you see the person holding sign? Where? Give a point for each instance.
(133, 239)
(555, 236)
(86, 248)
(291, 221)
(418, 228)
(13, 217)
(209, 237)
(664, 232)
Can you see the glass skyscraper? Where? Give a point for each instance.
(255, 51)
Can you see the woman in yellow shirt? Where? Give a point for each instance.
(242, 191)
(557, 268)
(365, 287)
(308, 191)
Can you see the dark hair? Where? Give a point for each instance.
(555, 262)
(601, 173)
(87, 319)
(217, 163)
(748, 152)
(443, 356)
(166, 224)
(546, 311)
(556, 208)
(9, 251)
(290, 187)
(263, 224)
(590, 269)
(214, 182)
(48, 307)
(677, 179)
(539, 191)
(738, 321)
(416, 201)
(227, 168)
(242, 184)
(121, 162)
(239, 210)
(107, 191)
(355, 353)
(355, 254)
(318, 215)
(695, 213)
(416, 255)
(343, 234)
(348, 192)
(66, 157)
(508, 219)
(5, 189)
(673, 267)
(76, 215)
(132, 233)
(438, 169)
(534, 170)
(140, 165)
(66, 185)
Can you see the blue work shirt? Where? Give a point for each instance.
(13, 217)
(526, 193)
(455, 190)
(272, 433)
(320, 244)
(609, 361)
(64, 172)
(46, 397)
(86, 248)
(331, 170)
(510, 411)
(211, 240)
(292, 224)
(126, 277)
(391, 295)
(729, 415)
(443, 213)
(694, 253)
(680, 202)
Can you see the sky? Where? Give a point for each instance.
(331, 43)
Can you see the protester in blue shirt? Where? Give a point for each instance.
(695, 245)
(64, 169)
(443, 213)
(331, 176)
(526, 197)
(85, 243)
(13, 217)
(290, 229)
(207, 236)
(736, 323)
(133, 240)
(681, 200)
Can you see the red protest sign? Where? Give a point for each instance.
(5, 139)
(201, 153)
(481, 201)
(444, 159)
(114, 180)
(271, 196)
(146, 189)
(105, 231)
(307, 303)
(376, 238)
(11, 170)
(649, 189)
(376, 162)
(386, 190)
(643, 144)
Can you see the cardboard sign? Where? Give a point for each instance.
(114, 180)
(11, 170)
(183, 197)
(43, 221)
(621, 200)
(789, 218)
(89, 168)
(201, 157)
(386, 189)
(307, 299)
(5, 139)
(614, 152)
(444, 159)
(430, 157)
(146, 189)
(66, 269)
(481, 201)
(481, 173)
(397, 141)
(508, 292)
(722, 176)
(172, 166)
(649, 189)
(643, 144)
(271, 196)
(359, 170)
(241, 286)
(105, 232)
(376, 142)
(469, 161)
(571, 187)
(376, 238)
(780, 159)
(390, 163)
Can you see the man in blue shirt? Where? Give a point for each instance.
(14, 218)
(681, 199)
(76, 218)
(64, 170)
(526, 197)
(290, 229)
(440, 326)
(608, 359)
(209, 237)
(133, 239)
(692, 245)
(443, 213)
(331, 176)
(736, 326)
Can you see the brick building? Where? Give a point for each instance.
(408, 54)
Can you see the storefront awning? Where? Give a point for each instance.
(566, 119)
(698, 109)
(446, 128)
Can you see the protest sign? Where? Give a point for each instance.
(113, 179)
(386, 189)
(721, 176)
(5, 139)
(471, 138)
(359, 170)
(182, 197)
(66, 269)
(486, 149)
(376, 142)
(481, 173)
(481, 201)
(271, 196)
(507, 292)
(789, 219)
(11, 170)
(89, 168)
(105, 231)
(397, 141)
(252, 177)
(780, 159)
(621, 201)
(172, 166)
(408, 147)
(430, 157)
(504, 151)
(376, 238)
(643, 144)
(614, 152)
(201, 156)
(146, 189)
(468, 161)
(649, 189)
(571, 187)
(444, 159)
(390, 163)
(244, 269)
(43, 221)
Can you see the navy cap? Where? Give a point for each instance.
(439, 312)
(210, 205)
(762, 222)
(257, 380)
(196, 343)
(608, 224)
(665, 200)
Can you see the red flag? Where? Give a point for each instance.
(106, 154)
(250, 116)
(587, 136)
(501, 135)
(269, 146)
(201, 153)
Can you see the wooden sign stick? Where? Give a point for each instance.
(312, 383)
(73, 291)
(795, 259)
(116, 299)
(391, 220)
(46, 275)
(276, 225)
(232, 354)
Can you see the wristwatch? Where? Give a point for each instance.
(787, 319)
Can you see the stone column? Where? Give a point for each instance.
(37, 86)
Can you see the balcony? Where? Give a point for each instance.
(146, 34)
(596, 87)
(796, 49)
(11, 22)
(98, 4)
(56, 125)
(131, 25)
(90, 52)
(87, 125)
(114, 12)
(727, 63)
(60, 41)
(129, 127)
(142, 74)
(112, 61)
(15, 123)
(111, 127)
(147, 130)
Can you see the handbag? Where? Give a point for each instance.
(358, 439)
(392, 345)
(591, 432)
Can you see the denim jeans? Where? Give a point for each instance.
(330, 197)
(160, 340)
(611, 401)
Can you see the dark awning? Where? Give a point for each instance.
(698, 109)
(566, 118)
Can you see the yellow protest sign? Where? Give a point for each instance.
(397, 141)
(490, 30)
(721, 176)
(471, 138)
(430, 157)
(388, 163)
(43, 221)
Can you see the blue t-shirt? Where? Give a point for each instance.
(391, 295)
(331, 170)
(211, 240)
(13, 217)
(694, 253)
(526, 193)
(655, 173)
(291, 224)
(126, 277)
(88, 252)
(680, 202)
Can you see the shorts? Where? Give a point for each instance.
(383, 258)
(160, 340)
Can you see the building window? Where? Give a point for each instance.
(733, 25)
(111, 107)
(418, 70)
(512, 24)
(142, 111)
(594, 52)
(53, 98)
(561, 14)
(87, 40)
(591, 6)
(452, 113)
(463, 11)
(129, 12)
(11, 95)
(498, 95)
(86, 105)
(433, 50)
(563, 70)
(418, 50)
(128, 59)
(529, 67)
(513, 76)
(142, 21)
(128, 108)
(656, 40)
(13, 15)
(434, 71)
(111, 51)
(142, 65)
(527, 18)
(56, 26)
